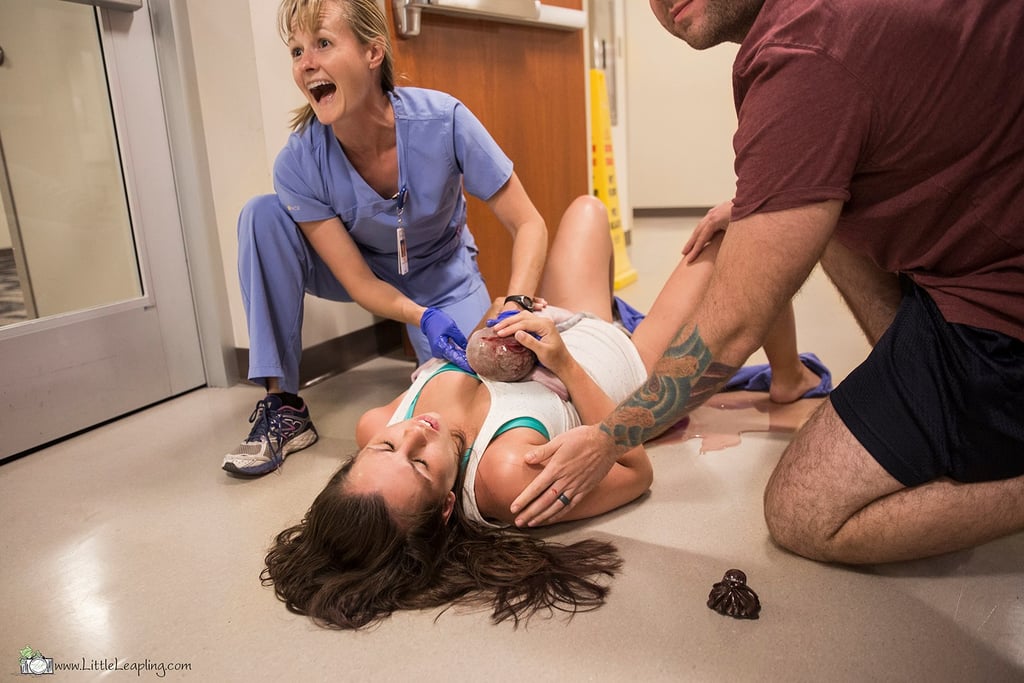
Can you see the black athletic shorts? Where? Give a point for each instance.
(938, 399)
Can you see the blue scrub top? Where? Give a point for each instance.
(442, 148)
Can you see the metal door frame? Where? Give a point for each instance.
(68, 372)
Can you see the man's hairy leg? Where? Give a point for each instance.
(872, 294)
(829, 500)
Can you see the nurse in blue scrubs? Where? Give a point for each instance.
(370, 207)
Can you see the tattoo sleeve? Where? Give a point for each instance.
(683, 379)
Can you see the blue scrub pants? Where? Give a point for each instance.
(277, 266)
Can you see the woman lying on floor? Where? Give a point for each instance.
(420, 518)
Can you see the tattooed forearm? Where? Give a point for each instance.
(685, 377)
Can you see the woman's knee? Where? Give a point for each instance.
(586, 213)
(585, 222)
(262, 218)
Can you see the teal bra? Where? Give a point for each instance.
(529, 422)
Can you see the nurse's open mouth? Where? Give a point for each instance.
(321, 89)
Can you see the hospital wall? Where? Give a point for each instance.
(681, 117)
(675, 134)
(246, 95)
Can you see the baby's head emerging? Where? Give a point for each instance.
(500, 359)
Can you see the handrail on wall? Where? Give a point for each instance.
(123, 5)
(407, 13)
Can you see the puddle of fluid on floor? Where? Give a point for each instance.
(721, 422)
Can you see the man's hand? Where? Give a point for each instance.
(715, 220)
(574, 463)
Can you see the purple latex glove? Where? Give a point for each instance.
(445, 338)
(491, 322)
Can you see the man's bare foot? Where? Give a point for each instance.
(787, 387)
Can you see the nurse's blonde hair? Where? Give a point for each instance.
(367, 21)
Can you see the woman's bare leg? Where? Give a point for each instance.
(579, 271)
(675, 304)
(791, 379)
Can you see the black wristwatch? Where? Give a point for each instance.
(521, 300)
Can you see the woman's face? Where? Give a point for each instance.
(331, 68)
(412, 464)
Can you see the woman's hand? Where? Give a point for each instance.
(446, 339)
(715, 220)
(538, 334)
(500, 310)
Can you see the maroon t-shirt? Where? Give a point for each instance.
(912, 113)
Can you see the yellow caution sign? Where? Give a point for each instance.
(605, 188)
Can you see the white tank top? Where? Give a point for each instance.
(602, 350)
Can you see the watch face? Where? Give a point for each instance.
(522, 300)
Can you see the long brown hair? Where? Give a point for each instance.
(350, 563)
(367, 21)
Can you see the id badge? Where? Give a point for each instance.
(403, 252)
(401, 248)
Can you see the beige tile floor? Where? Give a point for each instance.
(129, 543)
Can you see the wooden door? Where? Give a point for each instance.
(527, 85)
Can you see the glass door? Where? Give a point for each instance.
(96, 314)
